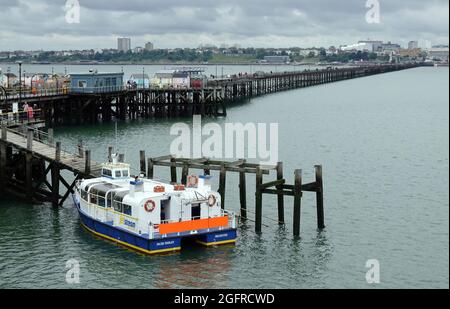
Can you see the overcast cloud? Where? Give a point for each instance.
(41, 24)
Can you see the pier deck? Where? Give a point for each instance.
(68, 107)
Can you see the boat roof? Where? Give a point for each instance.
(115, 165)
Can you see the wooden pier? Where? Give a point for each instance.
(65, 107)
(33, 167)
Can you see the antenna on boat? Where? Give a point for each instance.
(117, 144)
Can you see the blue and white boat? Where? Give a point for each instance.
(151, 216)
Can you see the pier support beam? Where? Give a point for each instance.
(29, 175)
(319, 198)
(150, 168)
(173, 171)
(87, 162)
(3, 159)
(258, 200)
(243, 194)
(55, 171)
(184, 174)
(142, 161)
(297, 201)
(222, 183)
(280, 176)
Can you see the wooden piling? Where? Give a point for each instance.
(280, 176)
(80, 148)
(222, 184)
(142, 162)
(55, 184)
(150, 168)
(243, 194)
(30, 138)
(4, 133)
(87, 164)
(110, 153)
(173, 171)
(58, 152)
(297, 201)
(258, 200)
(3, 165)
(184, 174)
(51, 139)
(121, 158)
(319, 198)
(29, 174)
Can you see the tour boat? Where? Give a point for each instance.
(152, 216)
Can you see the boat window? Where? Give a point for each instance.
(101, 201)
(127, 209)
(106, 172)
(125, 173)
(118, 199)
(196, 212)
(118, 174)
(93, 198)
(84, 195)
(118, 206)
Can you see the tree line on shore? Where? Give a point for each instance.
(198, 56)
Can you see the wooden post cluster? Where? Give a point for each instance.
(277, 187)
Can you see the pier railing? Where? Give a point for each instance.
(21, 118)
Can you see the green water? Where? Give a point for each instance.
(383, 143)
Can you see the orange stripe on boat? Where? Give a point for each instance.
(193, 225)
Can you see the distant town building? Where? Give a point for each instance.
(149, 46)
(372, 46)
(439, 53)
(390, 47)
(94, 82)
(163, 78)
(124, 44)
(138, 50)
(411, 53)
(141, 80)
(277, 59)
(181, 80)
(413, 45)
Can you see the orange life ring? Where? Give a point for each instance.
(179, 187)
(212, 200)
(192, 181)
(159, 189)
(150, 206)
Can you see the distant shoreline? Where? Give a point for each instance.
(171, 63)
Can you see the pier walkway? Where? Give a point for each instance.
(29, 157)
(66, 107)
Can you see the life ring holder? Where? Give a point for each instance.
(192, 181)
(150, 206)
(212, 200)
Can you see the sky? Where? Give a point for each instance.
(43, 24)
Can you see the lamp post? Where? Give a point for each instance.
(7, 77)
(143, 77)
